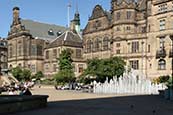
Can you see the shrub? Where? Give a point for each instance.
(64, 76)
(48, 82)
(164, 79)
(38, 75)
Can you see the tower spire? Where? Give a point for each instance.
(77, 10)
(75, 23)
(68, 13)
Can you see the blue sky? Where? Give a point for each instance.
(47, 11)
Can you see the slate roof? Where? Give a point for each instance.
(43, 30)
(108, 14)
(68, 38)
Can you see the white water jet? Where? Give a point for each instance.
(130, 83)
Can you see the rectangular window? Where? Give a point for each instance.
(135, 47)
(118, 44)
(80, 68)
(143, 29)
(39, 50)
(20, 50)
(118, 29)
(78, 53)
(10, 52)
(54, 53)
(118, 51)
(54, 67)
(128, 14)
(105, 43)
(47, 54)
(33, 68)
(58, 52)
(162, 41)
(134, 64)
(46, 67)
(149, 48)
(118, 16)
(128, 28)
(162, 24)
(162, 8)
(33, 50)
(74, 68)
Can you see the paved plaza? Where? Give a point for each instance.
(78, 103)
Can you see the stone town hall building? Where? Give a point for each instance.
(137, 31)
(37, 46)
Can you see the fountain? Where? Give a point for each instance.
(130, 83)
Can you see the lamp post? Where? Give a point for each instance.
(171, 89)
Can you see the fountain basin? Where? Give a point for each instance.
(16, 103)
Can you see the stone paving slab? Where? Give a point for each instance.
(77, 103)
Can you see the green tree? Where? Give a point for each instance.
(65, 73)
(20, 74)
(65, 60)
(39, 75)
(17, 73)
(26, 73)
(105, 68)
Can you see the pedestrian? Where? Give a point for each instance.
(27, 92)
(11, 92)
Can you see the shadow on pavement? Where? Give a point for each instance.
(127, 105)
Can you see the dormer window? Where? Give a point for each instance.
(58, 33)
(50, 32)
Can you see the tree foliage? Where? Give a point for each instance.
(65, 60)
(26, 73)
(17, 73)
(20, 74)
(39, 75)
(105, 68)
(64, 76)
(65, 73)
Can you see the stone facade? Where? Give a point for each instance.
(24, 50)
(36, 46)
(27, 40)
(70, 39)
(3, 52)
(139, 32)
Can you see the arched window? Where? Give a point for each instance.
(97, 45)
(89, 46)
(162, 64)
(105, 43)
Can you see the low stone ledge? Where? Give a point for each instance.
(16, 103)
